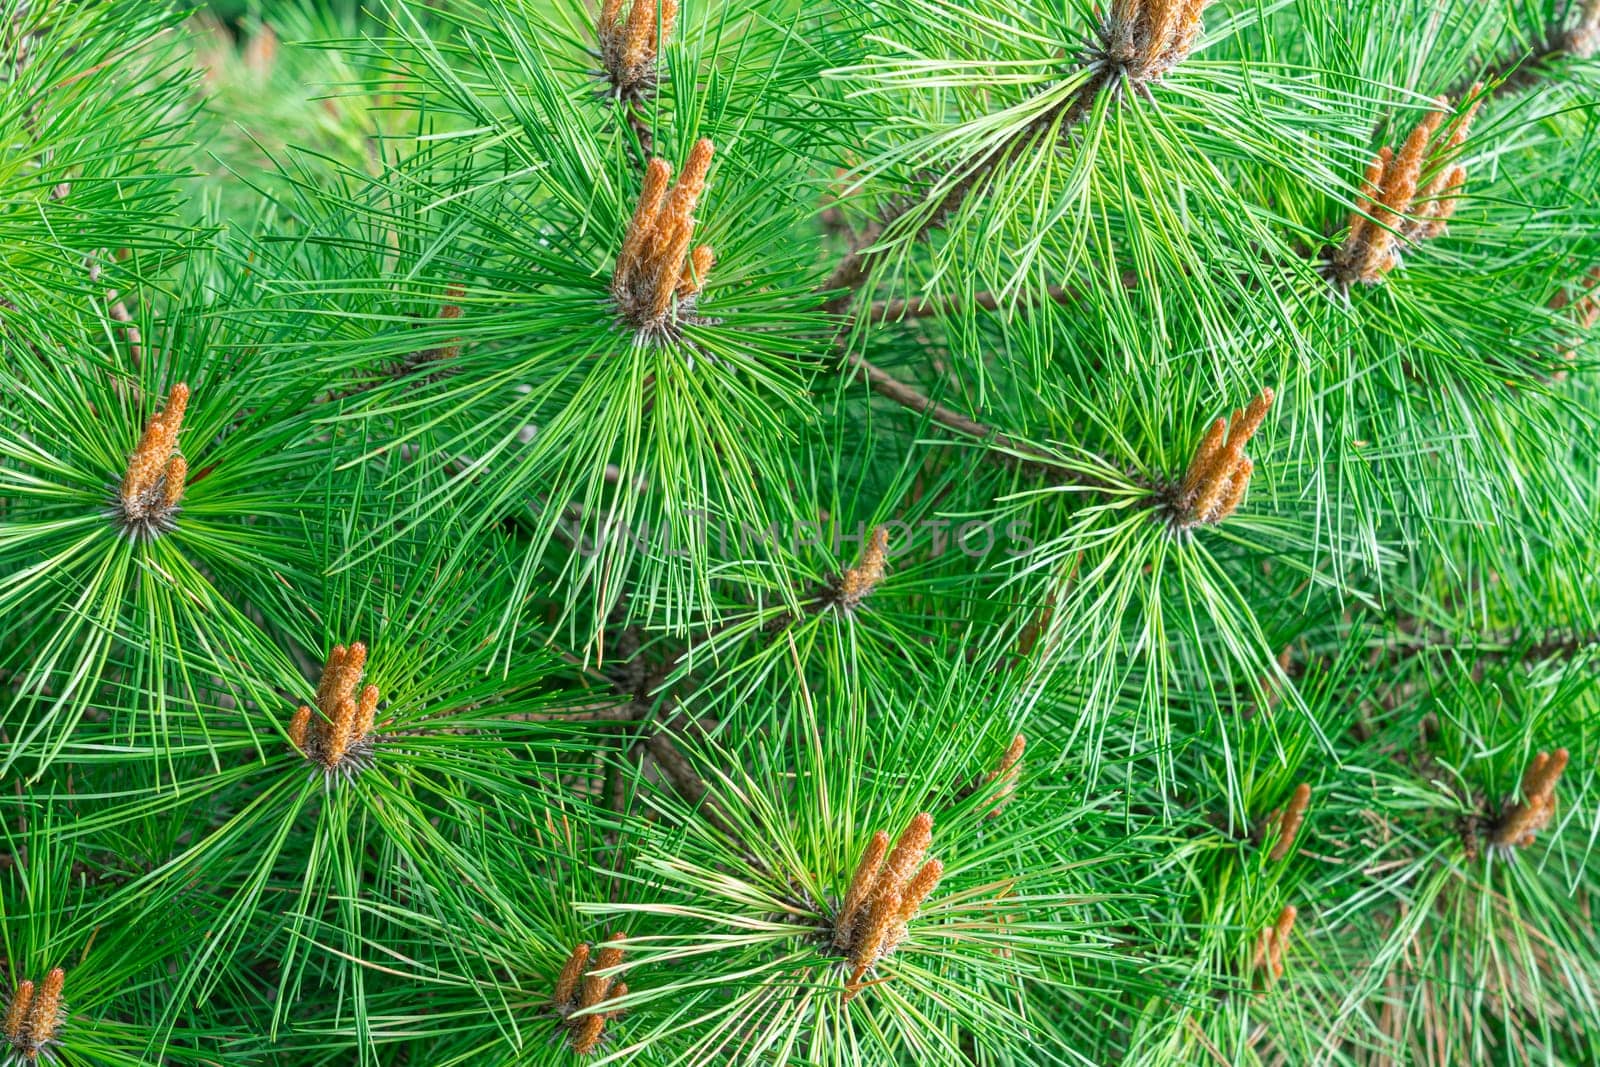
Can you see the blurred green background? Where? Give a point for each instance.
(289, 94)
(234, 10)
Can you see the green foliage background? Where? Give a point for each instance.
(594, 569)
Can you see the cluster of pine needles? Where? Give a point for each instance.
(517, 519)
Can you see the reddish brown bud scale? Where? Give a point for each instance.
(578, 991)
(336, 740)
(908, 851)
(1205, 456)
(920, 887)
(1400, 178)
(34, 1014)
(880, 917)
(669, 19)
(883, 897)
(172, 484)
(1013, 754)
(448, 312)
(642, 226)
(1521, 821)
(701, 260)
(1281, 931)
(861, 886)
(692, 182)
(673, 248)
(45, 1014)
(1237, 484)
(597, 986)
(586, 1031)
(367, 712)
(1268, 961)
(297, 728)
(16, 1018)
(452, 292)
(1007, 773)
(1288, 821)
(327, 686)
(567, 983)
(349, 673)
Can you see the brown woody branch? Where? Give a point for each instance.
(1003, 448)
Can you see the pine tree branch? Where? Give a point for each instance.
(1422, 638)
(1002, 448)
(620, 711)
(857, 265)
(648, 702)
(689, 785)
(117, 309)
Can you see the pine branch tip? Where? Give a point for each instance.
(1142, 40)
(1395, 210)
(146, 503)
(657, 280)
(34, 1016)
(884, 896)
(580, 988)
(858, 582)
(630, 46)
(1007, 773)
(1286, 822)
(340, 739)
(1270, 947)
(1214, 484)
(1521, 820)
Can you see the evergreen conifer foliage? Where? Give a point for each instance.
(682, 532)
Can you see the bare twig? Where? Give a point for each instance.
(1004, 449)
